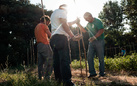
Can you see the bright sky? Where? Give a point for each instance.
(76, 9)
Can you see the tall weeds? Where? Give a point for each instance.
(21, 78)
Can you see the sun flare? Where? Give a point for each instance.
(76, 9)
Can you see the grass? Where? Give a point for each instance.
(114, 66)
(23, 79)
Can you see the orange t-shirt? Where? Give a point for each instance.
(40, 33)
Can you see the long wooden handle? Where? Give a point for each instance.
(43, 11)
(84, 52)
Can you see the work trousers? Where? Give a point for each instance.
(61, 58)
(45, 60)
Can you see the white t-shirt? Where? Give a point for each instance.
(56, 26)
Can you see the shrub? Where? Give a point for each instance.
(128, 62)
(76, 64)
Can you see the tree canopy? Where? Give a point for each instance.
(112, 16)
(130, 11)
(17, 21)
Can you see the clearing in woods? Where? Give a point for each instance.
(112, 78)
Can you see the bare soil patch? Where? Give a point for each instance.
(111, 78)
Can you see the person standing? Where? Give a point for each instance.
(123, 52)
(60, 45)
(96, 43)
(45, 54)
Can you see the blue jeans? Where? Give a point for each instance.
(96, 47)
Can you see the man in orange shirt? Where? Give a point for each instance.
(45, 55)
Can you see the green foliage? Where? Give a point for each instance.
(113, 38)
(21, 78)
(18, 19)
(113, 19)
(130, 11)
(122, 63)
(76, 64)
(112, 16)
(128, 62)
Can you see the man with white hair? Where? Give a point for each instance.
(96, 43)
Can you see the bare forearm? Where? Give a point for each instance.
(49, 33)
(99, 33)
(71, 23)
(67, 30)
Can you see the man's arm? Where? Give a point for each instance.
(48, 32)
(99, 33)
(66, 27)
(71, 23)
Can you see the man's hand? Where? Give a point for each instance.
(77, 38)
(77, 21)
(91, 39)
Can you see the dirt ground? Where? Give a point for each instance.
(110, 79)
